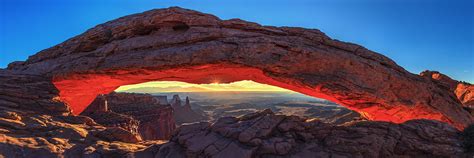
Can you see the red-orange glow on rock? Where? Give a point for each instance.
(79, 90)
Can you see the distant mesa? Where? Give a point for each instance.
(174, 86)
(165, 89)
(183, 112)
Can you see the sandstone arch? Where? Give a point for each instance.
(184, 45)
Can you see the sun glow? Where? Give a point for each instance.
(215, 86)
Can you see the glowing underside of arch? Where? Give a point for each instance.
(80, 89)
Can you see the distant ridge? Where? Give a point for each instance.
(189, 89)
(165, 89)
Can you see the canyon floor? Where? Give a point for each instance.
(209, 106)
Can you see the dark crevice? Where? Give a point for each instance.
(181, 27)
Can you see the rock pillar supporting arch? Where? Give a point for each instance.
(184, 45)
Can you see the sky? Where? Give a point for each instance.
(417, 34)
(175, 86)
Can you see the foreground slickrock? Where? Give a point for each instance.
(265, 134)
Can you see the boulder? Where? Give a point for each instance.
(118, 134)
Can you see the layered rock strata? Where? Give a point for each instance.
(141, 114)
(99, 111)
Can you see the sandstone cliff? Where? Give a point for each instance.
(99, 111)
(146, 116)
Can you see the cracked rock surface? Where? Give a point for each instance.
(264, 134)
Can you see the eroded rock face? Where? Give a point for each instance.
(156, 119)
(184, 45)
(464, 91)
(140, 114)
(264, 134)
(29, 92)
(99, 111)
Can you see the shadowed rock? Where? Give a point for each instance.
(264, 134)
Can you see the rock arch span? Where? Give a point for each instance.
(177, 44)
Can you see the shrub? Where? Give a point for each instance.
(468, 135)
